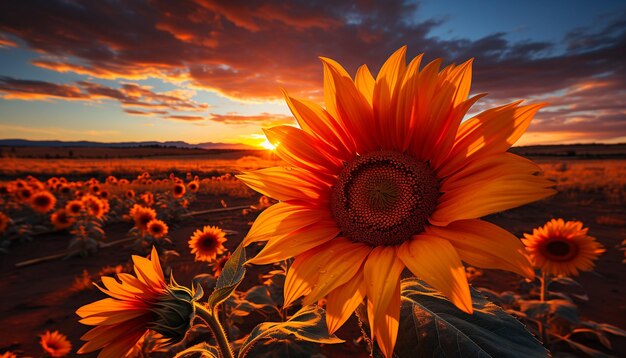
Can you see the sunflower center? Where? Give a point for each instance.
(560, 250)
(384, 198)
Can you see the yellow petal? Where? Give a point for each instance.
(486, 245)
(296, 242)
(144, 270)
(488, 185)
(343, 301)
(435, 261)
(306, 269)
(492, 131)
(285, 183)
(406, 106)
(302, 150)
(382, 276)
(281, 219)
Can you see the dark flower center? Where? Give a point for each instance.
(560, 250)
(384, 198)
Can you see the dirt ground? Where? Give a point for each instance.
(40, 297)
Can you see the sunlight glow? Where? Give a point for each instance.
(267, 145)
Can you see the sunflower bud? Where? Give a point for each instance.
(175, 311)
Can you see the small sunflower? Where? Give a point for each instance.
(8, 355)
(94, 205)
(136, 304)
(61, 219)
(389, 176)
(4, 222)
(55, 344)
(157, 228)
(142, 216)
(193, 186)
(147, 198)
(42, 201)
(74, 207)
(207, 243)
(130, 194)
(562, 248)
(179, 190)
(24, 193)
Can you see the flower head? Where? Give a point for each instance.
(130, 194)
(142, 216)
(95, 206)
(157, 228)
(179, 190)
(74, 207)
(193, 186)
(8, 355)
(562, 248)
(386, 177)
(207, 243)
(55, 344)
(219, 265)
(136, 304)
(61, 219)
(42, 201)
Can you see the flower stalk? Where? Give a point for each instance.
(210, 318)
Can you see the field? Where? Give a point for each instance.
(42, 287)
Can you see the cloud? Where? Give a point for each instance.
(186, 118)
(128, 95)
(247, 50)
(262, 119)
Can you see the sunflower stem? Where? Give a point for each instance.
(218, 331)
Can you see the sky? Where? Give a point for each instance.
(212, 71)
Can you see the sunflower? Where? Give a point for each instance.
(130, 194)
(179, 190)
(61, 219)
(55, 344)
(562, 248)
(94, 205)
(142, 216)
(42, 201)
(193, 186)
(207, 243)
(8, 355)
(74, 207)
(4, 222)
(387, 177)
(157, 228)
(24, 194)
(147, 198)
(138, 303)
(219, 265)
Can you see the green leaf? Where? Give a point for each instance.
(431, 326)
(308, 324)
(230, 278)
(203, 350)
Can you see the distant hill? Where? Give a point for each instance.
(83, 144)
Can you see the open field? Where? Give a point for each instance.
(44, 296)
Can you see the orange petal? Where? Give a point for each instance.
(486, 245)
(485, 186)
(302, 150)
(281, 219)
(314, 120)
(492, 131)
(144, 270)
(294, 243)
(435, 261)
(382, 276)
(306, 269)
(365, 82)
(406, 105)
(284, 183)
(343, 301)
(388, 83)
(352, 108)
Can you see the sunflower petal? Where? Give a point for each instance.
(294, 243)
(281, 219)
(406, 106)
(382, 276)
(284, 183)
(486, 186)
(388, 83)
(307, 268)
(365, 82)
(343, 301)
(486, 245)
(302, 150)
(492, 131)
(435, 261)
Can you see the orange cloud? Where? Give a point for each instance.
(263, 119)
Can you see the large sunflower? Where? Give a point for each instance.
(562, 248)
(387, 177)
